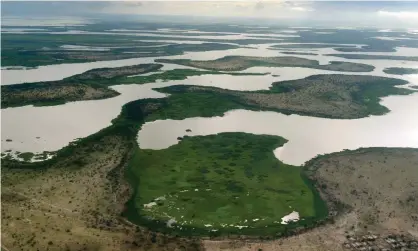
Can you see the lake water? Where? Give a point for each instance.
(308, 136)
(60, 71)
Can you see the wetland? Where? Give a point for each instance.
(235, 136)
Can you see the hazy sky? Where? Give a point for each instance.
(350, 13)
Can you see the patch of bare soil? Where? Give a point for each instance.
(374, 194)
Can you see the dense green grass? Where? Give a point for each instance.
(400, 71)
(182, 104)
(225, 180)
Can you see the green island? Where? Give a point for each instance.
(238, 63)
(93, 84)
(329, 96)
(85, 86)
(377, 57)
(400, 71)
(229, 183)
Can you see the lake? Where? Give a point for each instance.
(56, 126)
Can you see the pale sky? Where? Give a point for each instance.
(349, 13)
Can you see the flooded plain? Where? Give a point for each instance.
(37, 129)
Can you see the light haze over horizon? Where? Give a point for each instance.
(379, 14)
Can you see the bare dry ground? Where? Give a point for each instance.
(378, 188)
(76, 205)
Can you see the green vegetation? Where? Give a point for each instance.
(382, 57)
(36, 41)
(400, 71)
(237, 63)
(191, 101)
(228, 183)
(27, 156)
(33, 50)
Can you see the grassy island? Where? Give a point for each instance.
(400, 71)
(219, 184)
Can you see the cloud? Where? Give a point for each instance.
(261, 8)
(405, 15)
(382, 14)
(302, 9)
